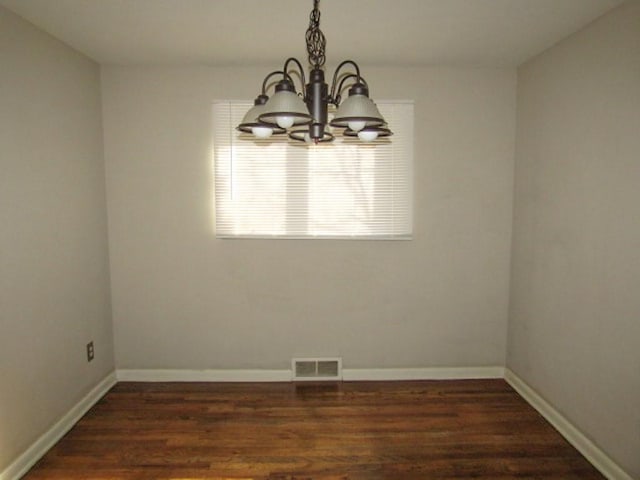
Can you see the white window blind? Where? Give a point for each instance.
(347, 189)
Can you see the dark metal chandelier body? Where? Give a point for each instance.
(304, 116)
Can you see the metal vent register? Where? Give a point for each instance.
(316, 369)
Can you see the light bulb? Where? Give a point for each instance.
(284, 121)
(262, 132)
(357, 125)
(368, 135)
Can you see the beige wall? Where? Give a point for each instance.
(574, 332)
(54, 284)
(183, 299)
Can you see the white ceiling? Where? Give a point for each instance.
(391, 32)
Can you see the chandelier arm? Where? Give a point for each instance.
(266, 79)
(335, 75)
(301, 72)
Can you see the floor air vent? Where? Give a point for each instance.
(316, 369)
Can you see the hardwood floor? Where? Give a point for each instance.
(477, 429)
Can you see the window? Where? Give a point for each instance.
(274, 188)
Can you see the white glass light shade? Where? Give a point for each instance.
(262, 132)
(357, 125)
(285, 121)
(250, 119)
(357, 108)
(285, 108)
(252, 114)
(367, 135)
(251, 124)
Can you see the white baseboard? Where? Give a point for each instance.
(575, 437)
(234, 375)
(436, 373)
(28, 459)
(351, 374)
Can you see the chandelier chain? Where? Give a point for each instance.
(316, 41)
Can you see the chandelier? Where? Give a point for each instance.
(304, 115)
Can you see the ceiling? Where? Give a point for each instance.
(385, 32)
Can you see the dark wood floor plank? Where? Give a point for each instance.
(477, 429)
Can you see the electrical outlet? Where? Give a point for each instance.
(90, 352)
